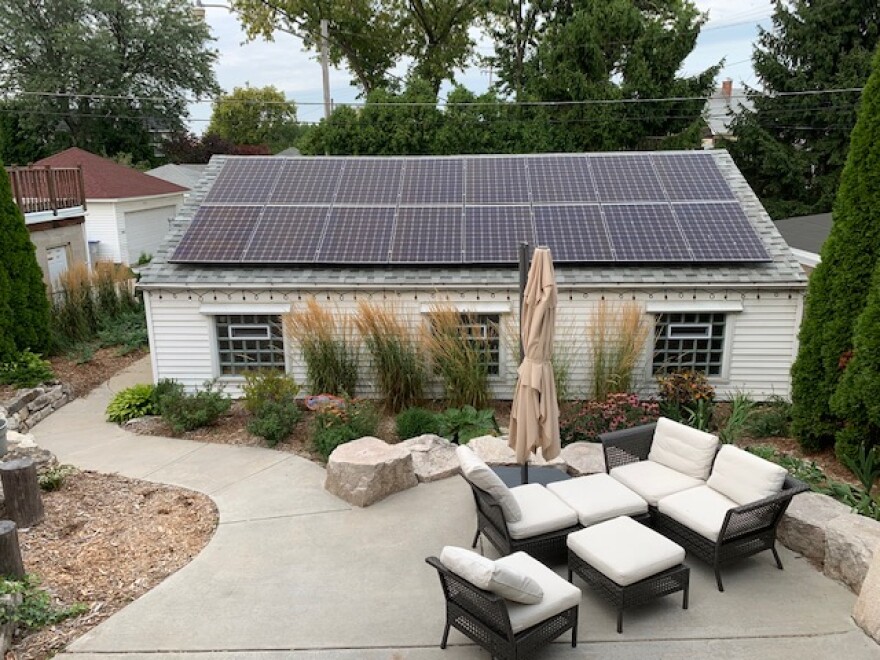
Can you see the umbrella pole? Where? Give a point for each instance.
(524, 249)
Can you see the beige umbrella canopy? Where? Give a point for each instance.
(534, 417)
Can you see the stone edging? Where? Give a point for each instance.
(27, 407)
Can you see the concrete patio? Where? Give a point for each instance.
(293, 572)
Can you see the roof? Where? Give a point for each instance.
(720, 109)
(107, 179)
(290, 151)
(782, 270)
(183, 174)
(806, 232)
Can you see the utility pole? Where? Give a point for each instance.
(325, 65)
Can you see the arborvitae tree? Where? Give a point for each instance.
(857, 398)
(7, 343)
(791, 148)
(28, 305)
(839, 285)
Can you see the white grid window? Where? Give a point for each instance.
(249, 341)
(689, 341)
(483, 330)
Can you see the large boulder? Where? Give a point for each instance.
(802, 527)
(867, 609)
(364, 471)
(583, 458)
(433, 457)
(494, 451)
(850, 544)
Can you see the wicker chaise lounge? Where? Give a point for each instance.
(732, 515)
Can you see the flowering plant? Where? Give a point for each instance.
(585, 421)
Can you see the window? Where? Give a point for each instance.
(483, 331)
(249, 341)
(689, 341)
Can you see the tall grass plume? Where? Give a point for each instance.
(617, 338)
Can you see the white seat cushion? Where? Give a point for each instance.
(542, 512)
(483, 477)
(744, 477)
(625, 551)
(682, 448)
(653, 481)
(700, 509)
(559, 594)
(482, 572)
(598, 497)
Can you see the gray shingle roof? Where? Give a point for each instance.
(782, 271)
(806, 232)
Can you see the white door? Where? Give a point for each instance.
(57, 259)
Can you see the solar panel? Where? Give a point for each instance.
(427, 235)
(646, 232)
(626, 178)
(496, 181)
(561, 179)
(218, 234)
(720, 232)
(433, 181)
(245, 181)
(492, 234)
(357, 235)
(573, 233)
(370, 181)
(306, 181)
(691, 177)
(287, 234)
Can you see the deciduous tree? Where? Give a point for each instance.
(255, 116)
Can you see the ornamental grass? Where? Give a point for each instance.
(617, 339)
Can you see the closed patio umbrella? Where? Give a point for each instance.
(534, 417)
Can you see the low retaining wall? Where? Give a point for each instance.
(28, 407)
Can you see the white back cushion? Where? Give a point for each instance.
(682, 448)
(502, 579)
(484, 478)
(744, 477)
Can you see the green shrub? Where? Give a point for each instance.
(26, 370)
(274, 421)
(185, 412)
(414, 421)
(36, 609)
(734, 426)
(54, 477)
(687, 397)
(461, 425)
(334, 426)
(128, 330)
(264, 386)
(144, 259)
(81, 353)
(396, 356)
(866, 466)
(771, 419)
(584, 422)
(132, 402)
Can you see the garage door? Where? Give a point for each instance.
(145, 230)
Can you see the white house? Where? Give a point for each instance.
(129, 212)
(679, 233)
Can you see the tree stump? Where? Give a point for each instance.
(24, 504)
(10, 551)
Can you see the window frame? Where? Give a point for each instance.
(216, 339)
(723, 353)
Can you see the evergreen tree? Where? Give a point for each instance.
(27, 305)
(792, 149)
(839, 286)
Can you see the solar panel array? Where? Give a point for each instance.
(599, 208)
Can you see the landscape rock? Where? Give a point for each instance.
(850, 544)
(583, 458)
(802, 527)
(14, 440)
(367, 470)
(494, 451)
(433, 457)
(866, 612)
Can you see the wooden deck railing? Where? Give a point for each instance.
(43, 189)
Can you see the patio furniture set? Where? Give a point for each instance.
(668, 488)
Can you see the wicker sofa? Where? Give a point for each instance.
(729, 514)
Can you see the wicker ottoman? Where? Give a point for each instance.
(627, 563)
(599, 497)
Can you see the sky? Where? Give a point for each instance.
(729, 35)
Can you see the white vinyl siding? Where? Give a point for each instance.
(145, 229)
(102, 226)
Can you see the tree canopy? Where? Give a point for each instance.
(255, 116)
(101, 74)
(791, 149)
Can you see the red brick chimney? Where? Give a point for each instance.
(727, 88)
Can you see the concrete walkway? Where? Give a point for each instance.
(293, 572)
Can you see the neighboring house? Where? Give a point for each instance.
(720, 109)
(806, 234)
(185, 175)
(54, 207)
(290, 151)
(129, 211)
(679, 233)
